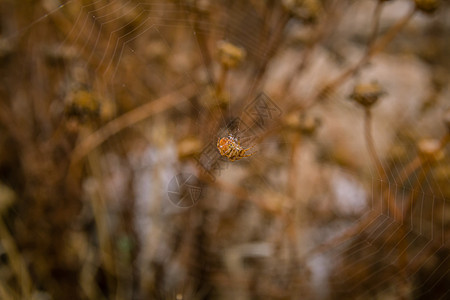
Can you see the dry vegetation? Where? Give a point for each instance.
(346, 195)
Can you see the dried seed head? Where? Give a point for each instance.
(203, 6)
(82, 105)
(309, 124)
(156, 50)
(211, 99)
(292, 121)
(427, 6)
(305, 10)
(430, 149)
(230, 56)
(7, 197)
(189, 147)
(367, 94)
(305, 123)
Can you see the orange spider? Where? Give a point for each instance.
(230, 148)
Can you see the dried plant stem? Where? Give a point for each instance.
(409, 169)
(17, 264)
(374, 47)
(6, 293)
(367, 55)
(417, 163)
(295, 151)
(333, 84)
(290, 216)
(319, 34)
(130, 118)
(8, 121)
(359, 227)
(101, 220)
(407, 210)
(375, 24)
(266, 15)
(370, 144)
(390, 34)
(401, 215)
(409, 206)
(306, 54)
(387, 197)
(369, 218)
(222, 80)
(273, 43)
(341, 238)
(87, 276)
(203, 45)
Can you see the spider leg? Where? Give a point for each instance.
(228, 151)
(248, 155)
(234, 154)
(245, 150)
(251, 147)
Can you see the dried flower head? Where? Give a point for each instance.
(367, 94)
(307, 124)
(305, 10)
(82, 105)
(427, 6)
(203, 6)
(211, 99)
(7, 197)
(188, 147)
(430, 149)
(230, 56)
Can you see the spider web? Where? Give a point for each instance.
(133, 52)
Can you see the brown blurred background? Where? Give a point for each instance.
(111, 185)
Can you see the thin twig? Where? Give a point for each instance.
(18, 265)
(130, 118)
(375, 24)
(319, 33)
(272, 46)
(417, 163)
(221, 81)
(106, 249)
(295, 150)
(367, 55)
(373, 48)
(6, 293)
(370, 144)
(202, 37)
(387, 197)
(391, 34)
